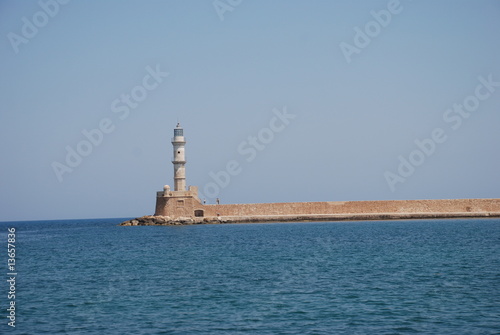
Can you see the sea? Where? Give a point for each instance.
(379, 277)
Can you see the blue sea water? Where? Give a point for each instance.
(383, 277)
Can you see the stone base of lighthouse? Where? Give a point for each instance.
(179, 204)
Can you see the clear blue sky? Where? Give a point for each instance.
(355, 113)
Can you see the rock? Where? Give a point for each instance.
(162, 219)
(151, 220)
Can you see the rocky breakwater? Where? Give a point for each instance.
(157, 220)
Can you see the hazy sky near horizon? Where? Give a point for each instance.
(306, 101)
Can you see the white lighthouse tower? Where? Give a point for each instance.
(181, 202)
(179, 161)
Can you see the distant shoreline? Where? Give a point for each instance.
(158, 220)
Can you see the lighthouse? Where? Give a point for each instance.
(179, 143)
(182, 201)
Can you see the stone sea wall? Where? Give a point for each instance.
(353, 207)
